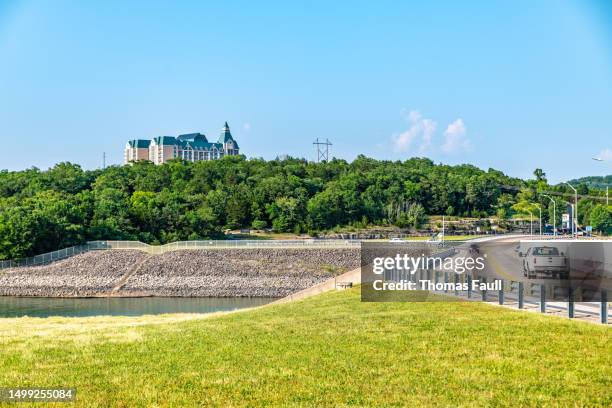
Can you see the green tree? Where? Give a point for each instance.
(414, 217)
(601, 219)
(284, 213)
(44, 210)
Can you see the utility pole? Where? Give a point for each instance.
(322, 150)
(103, 160)
(554, 213)
(575, 214)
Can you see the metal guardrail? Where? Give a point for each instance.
(523, 292)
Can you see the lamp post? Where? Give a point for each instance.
(572, 207)
(575, 223)
(530, 222)
(540, 210)
(554, 213)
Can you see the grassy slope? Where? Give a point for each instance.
(327, 350)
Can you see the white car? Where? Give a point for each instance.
(545, 260)
(396, 240)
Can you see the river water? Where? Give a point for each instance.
(80, 307)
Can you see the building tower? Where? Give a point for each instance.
(230, 147)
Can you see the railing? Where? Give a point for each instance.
(228, 244)
(534, 294)
(203, 244)
(47, 257)
(175, 246)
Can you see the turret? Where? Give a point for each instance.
(230, 147)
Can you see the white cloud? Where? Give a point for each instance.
(429, 128)
(454, 138)
(419, 129)
(605, 154)
(246, 127)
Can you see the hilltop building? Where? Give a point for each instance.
(190, 147)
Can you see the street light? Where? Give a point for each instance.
(575, 223)
(572, 207)
(554, 213)
(530, 222)
(540, 210)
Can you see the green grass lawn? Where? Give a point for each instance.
(328, 350)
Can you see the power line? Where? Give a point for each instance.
(322, 150)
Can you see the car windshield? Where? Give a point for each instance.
(545, 251)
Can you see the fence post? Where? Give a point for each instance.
(570, 303)
(484, 291)
(456, 284)
(604, 307)
(542, 299)
(469, 279)
(501, 293)
(521, 295)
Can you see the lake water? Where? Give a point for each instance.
(45, 307)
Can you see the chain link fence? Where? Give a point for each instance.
(175, 246)
(46, 258)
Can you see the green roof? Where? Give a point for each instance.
(196, 141)
(139, 143)
(166, 140)
(226, 136)
(199, 144)
(192, 136)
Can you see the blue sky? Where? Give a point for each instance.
(512, 86)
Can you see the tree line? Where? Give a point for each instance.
(65, 205)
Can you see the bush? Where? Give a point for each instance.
(259, 224)
(601, 219)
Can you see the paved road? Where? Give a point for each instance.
(503, 262)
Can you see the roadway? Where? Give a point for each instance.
(504, 262)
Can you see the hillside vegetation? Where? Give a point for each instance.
(329, 350)
(595, 182)
(41, 211)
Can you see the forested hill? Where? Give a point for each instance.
(598, 182)
(45, 210)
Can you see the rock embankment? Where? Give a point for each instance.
(239, 272)
(88, 274)
(184, 273)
